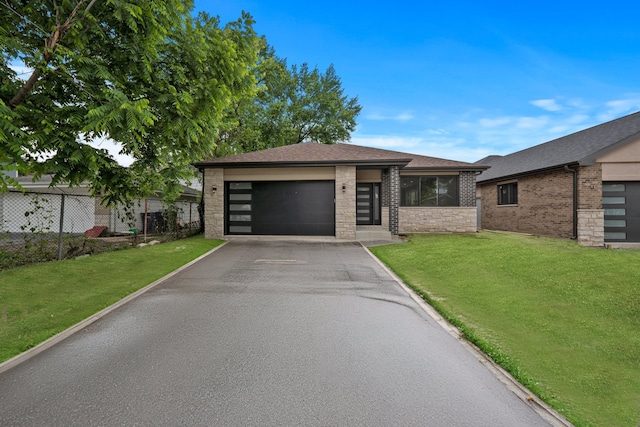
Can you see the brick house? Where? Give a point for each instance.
(337, 190)
(584, 186)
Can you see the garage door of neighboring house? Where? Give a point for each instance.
(621, 204)
(289, 208)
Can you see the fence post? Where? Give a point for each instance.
(61, 227)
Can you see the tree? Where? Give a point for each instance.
(145, 73)
(293, 105)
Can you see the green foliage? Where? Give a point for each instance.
(562, 318)
(147, 74)
(41, 300)
(293, 105)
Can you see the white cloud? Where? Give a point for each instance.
(620, 107)
(387, 142)
(402, 117)
(547, 104)
(113, 148)
(23, 71)
(532, 122)
(437, 146)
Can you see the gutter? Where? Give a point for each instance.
(575, 200)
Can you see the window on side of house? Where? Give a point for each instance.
(429, 190)
(508, 194)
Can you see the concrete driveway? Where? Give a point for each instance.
(264, 333)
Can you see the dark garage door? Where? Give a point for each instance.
(293, 208)
(621, 204)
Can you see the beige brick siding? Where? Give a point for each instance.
(214, 203)
(384, 217)
(346, 203)
(437, 220)
(590, 187)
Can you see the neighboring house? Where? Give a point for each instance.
(40, 205)
(584, 186)
(337, 190)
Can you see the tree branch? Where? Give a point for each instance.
(49, 48)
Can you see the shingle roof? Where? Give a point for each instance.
(582, 148)
(308, 154)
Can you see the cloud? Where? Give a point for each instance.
(402, 117)
(435, 146)
(21, 70)
(113, 148)
(387, 142)
(532, 122)
(619, 107)
(547, 104)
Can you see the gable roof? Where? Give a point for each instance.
(580, 148)
(315, 154)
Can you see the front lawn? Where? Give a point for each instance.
(38, 301)
(563, 319)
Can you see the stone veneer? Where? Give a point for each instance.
(438, 220)
(591, 227)
(345, 203)
(214, 203)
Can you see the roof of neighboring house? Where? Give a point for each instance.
(43, 185)
(315, 154)
(580, 148)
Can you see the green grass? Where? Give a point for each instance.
(38, 301)
(563, 319)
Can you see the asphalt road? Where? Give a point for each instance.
(264, 334)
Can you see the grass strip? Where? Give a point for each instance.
(39, 301)
(561, 318)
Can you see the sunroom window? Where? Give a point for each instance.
(429, 190)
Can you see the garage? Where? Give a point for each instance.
(621, 204)
(293, 208)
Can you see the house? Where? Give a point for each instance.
(584, 186)
(337, 190)
(41, 204)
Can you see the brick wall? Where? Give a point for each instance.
(346, 203)
(437, 220)
(214, 203)
(545, 206)
(590, 187)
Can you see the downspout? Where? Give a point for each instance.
(575, 200)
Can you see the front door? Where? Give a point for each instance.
(368, 204)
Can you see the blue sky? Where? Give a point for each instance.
(461, 79)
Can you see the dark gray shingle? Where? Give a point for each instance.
(578, 148)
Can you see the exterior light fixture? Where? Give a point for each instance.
(214, 189)
(344, 187)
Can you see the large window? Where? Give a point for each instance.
(429, 190)
(508, 194)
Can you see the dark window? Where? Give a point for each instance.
(429, 190)
(508, 194)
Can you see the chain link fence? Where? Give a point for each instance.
(44, 226)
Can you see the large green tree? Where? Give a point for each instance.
(293, 105)
(147, 74)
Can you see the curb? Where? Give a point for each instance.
(33, 351)
(541, 408)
